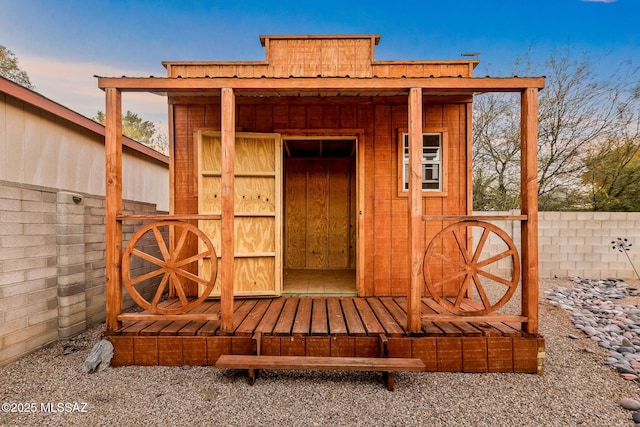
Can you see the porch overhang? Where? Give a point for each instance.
(415, 89)
(314, 85)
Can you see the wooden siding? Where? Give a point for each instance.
(386, 266)
(319, 215)
(321, 56)
(326, 69)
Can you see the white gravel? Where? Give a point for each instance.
(576, 389)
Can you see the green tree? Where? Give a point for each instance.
(613, 176)
(10, 69)
(133, 126)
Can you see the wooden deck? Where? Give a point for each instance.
(330, 326)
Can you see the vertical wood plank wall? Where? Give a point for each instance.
(386, 270)
(319, 215)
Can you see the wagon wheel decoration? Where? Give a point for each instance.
(458, 265)
(172, 264)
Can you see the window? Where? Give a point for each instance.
(433, 149)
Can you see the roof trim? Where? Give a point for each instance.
(59, 110)
(376, 37)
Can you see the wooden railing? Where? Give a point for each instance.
(452, 255)
(172, 267)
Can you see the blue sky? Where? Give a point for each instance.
(62, 44)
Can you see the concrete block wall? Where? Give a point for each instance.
(28, 272)
(52, 265)
(578, 243)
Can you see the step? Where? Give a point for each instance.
(386, 365)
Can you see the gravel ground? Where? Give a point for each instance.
(576, 389)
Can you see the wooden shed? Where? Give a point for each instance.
(321, 206)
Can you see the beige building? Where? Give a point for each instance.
(52, 188)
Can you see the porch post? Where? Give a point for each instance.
(113, 191)
(416, 238)
(529, 201)
(228, 136)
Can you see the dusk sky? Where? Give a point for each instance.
(62, 44)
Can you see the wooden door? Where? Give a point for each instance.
(257, 209)
(319, 213)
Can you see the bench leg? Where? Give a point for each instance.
(388, 379)
(253, 373)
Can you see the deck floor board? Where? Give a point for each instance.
(322, 316)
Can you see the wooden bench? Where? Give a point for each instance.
(385, 365)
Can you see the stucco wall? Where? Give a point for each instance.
(39, 148)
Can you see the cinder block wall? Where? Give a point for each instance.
(578, 243)
(28, 271)
(52, 265)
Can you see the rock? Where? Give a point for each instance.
(623, 349)
(636, 417)
(630, 404)
(589, 330)
(68, 349)
(573, 337)
(617, 355)
(589, 350)
(625, 369)
(629, 377)
(99, 358)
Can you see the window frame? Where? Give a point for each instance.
(443, 164)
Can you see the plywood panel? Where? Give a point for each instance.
(253, 276)
(338, 221)
(255, 195)
(257, 265)
(318, 209)
(210, 199)
(255, 234)
(317, 218)
(255, 155)
(295, 213)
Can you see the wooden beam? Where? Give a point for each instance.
(529, 196)
(113, 227)
(416, 238)
(172, 160)
(228, 136)
(332, 84)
